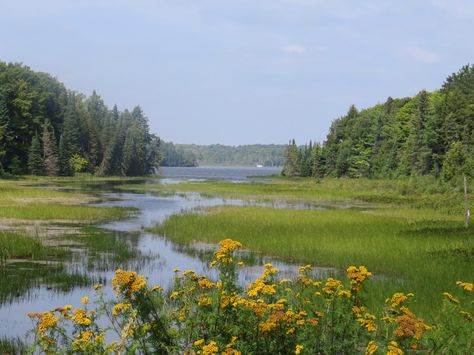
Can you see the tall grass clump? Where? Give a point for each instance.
(14, 245)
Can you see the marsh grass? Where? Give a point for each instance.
(10, 346)
(24, 200)
(418, 193)
(58, 212)
(20, 278)
(413, 250)
(13, 245)
(105, 249)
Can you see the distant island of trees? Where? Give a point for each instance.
(222, 155)
(429, 134)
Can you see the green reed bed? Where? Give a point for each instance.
(412, 250)
(419, 192)
(106, 248)
(14, 245)
(56, 212)
(12, 346)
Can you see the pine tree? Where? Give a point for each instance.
(317, 161)
(50, 154)
(35, 157)
(70, 137)
(291, 163)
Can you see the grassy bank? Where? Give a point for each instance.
(64, 213)
(46, 200)
(420, 251)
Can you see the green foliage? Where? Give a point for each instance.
(77, 163)
(14, 245)
(293, 161)
(35, 157)
(72, 124)
(177, 156)
(456, 163)
(224, 155)
(50, 154)
(402, 137)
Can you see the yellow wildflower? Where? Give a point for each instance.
(231, 342)
(466, 286)
(199, 342)
(467, 315)
(120, 307)
(371, 348)
(344, 294)
(397, 299)
(97, 286)
(304, 268)
(84, 300)
(205, 283)
(46, 320)
(204, 301)
(298, 349)
(210, 349)
(81, 317)
(393, 349)
(451, 297)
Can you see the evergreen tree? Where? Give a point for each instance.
(50, 154)
(291, 163)
(70, 137)
(35, 157)
(318, 162)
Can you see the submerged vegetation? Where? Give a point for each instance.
(270, 315)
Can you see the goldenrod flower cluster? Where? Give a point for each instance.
(302, 315)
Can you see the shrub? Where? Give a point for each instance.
(269, 316)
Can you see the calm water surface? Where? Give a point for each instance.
(157, 256)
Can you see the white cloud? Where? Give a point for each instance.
(422, 55)
(294, 49)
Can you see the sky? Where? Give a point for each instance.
(241, 71)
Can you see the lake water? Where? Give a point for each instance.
(218, 173)
(157, 256)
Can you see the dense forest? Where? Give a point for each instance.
(429, 134)
(173, 155)
(242, 155)
(46, 129)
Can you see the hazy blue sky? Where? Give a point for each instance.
(241, 71)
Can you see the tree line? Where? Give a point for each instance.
(46, 129)
(428, 134)
(242, 155)
(175, 155)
